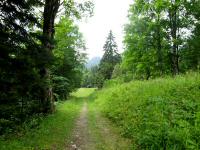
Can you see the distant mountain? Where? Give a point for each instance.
(93, 62)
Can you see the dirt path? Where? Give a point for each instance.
(94, 132)
(81, 136)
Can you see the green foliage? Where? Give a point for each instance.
(110, 57)
(117, 71)
(77, 9)
(69, 58)
(156, 114)
(29, 66)
(61, 87)
(157, 40)
(19, 63)
(191, 52)
(91, 77)
(96, 76)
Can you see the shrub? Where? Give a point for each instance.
(156, 114)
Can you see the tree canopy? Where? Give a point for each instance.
(40, 61)
(160, 38)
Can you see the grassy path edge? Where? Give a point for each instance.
(53, 132)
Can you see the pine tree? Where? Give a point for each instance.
(111, 54)
(19, 61)
(110, 58)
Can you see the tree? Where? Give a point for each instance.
(19, 62)
(26, 56)
(157, 39)
(191, 52)
(69, 58)
(51, 9)
(91, 77)
(139, 56)
(110, 58)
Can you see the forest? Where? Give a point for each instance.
(146, 97)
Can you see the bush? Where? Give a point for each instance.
(61, 87)
(156, 114)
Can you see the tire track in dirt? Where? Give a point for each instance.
(81, 139)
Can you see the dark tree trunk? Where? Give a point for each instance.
(148, 73)
(50, 10)
(159, 47)
(174, 29)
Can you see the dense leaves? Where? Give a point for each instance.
(69, 58)
(19, 62)
(161, 38)
(110, 58)
(37, 67)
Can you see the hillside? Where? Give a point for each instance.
(157, 114)
(93, 62)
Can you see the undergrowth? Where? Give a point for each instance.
(48, 132)
(156, 114)
(52, 131)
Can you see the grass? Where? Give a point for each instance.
(159, 114)
(103, 133)
(156, 114)
(54, 131)
(83, 92)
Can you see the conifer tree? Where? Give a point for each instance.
(19, 61)
(110, 58)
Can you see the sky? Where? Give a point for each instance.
(108, 15)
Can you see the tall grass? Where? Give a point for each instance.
(157, 114)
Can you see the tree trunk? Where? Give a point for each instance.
(174, 29)
(159, 47)
(50, 10)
